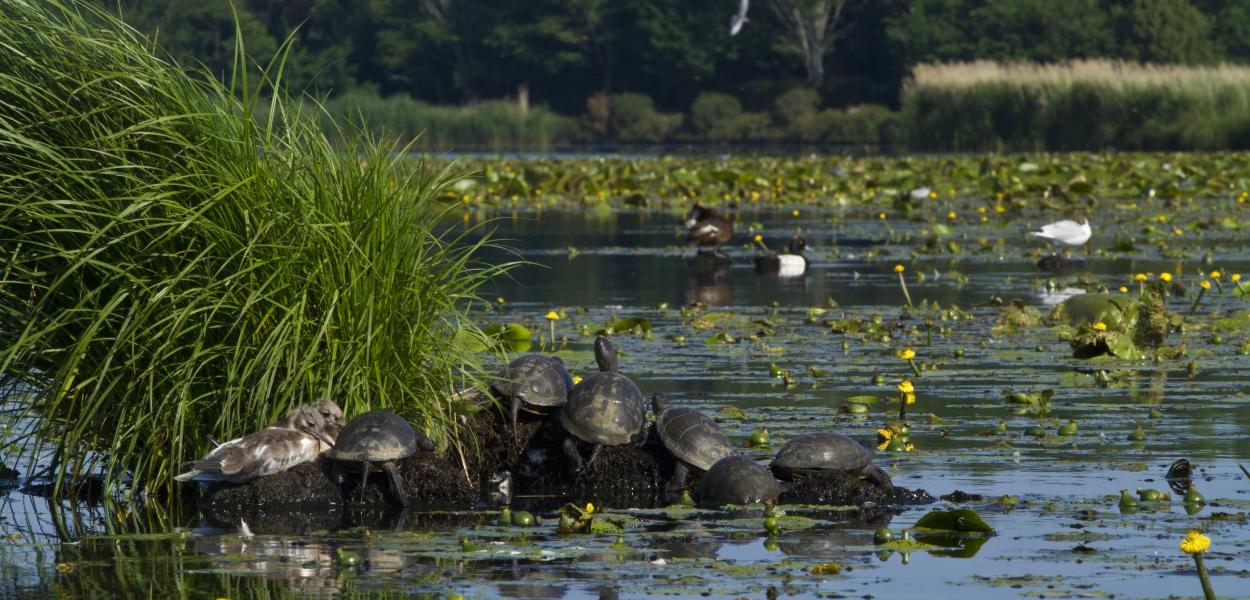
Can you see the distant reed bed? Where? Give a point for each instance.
(489, 125)
(1081, 105)
(177, 270)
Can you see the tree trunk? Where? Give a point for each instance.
(810, 30)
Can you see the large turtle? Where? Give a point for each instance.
(736, 479)
(814, 453)
(605, 409)
(693, 438)
(534, 380)
(379, 437)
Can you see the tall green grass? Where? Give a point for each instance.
(493, 125)
(176, 270)
(1077, 106)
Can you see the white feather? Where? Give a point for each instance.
(791, 265)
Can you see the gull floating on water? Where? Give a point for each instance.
(739, 19)
(1067, 232)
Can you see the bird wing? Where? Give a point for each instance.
(740, 18)
(1058, 229)
(703, 230)
(268, 451)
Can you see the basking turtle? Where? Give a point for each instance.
(693, 438)
(379, 437)
(605, 409)
(814, 453)
(534, 380)
(736, 479)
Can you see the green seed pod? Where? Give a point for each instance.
(1127, 502)
(882, 535)
(1035, 431)
(1192, 496)
(759, 438)
(1148, 494)
(1137, 435)
(505, 516)
(522, 518)
(1068, 428)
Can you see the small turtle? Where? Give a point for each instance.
(736, 479)
(693, 438)
(814, 453)
(381, 437)
(605, 409)
(534, 380)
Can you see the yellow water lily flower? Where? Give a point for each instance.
(1140, 277)
(1100, 326)
(907, 354)
(899, 268)
(794, 212)
(758, 238)
(951, 215)
(553, 315)
(905, 387)
(590, 507)
(1165, 277)
(1236, 277)
(1205, 284)
(1216, 274)
(577, 379)
(1195, 542)
(909, 398)
(1123, 290)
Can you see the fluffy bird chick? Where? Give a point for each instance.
(298, 438)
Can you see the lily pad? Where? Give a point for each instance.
(960, 520)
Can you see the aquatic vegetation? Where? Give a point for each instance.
(178, 271)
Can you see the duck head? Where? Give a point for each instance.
(797, 245)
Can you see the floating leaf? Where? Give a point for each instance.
(962, 520)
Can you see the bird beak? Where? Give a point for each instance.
(321, 435)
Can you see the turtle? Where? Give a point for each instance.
(814, 453)
(604, 409)
(534, 380)
(736, 479)
(379, 437)
(693, 438)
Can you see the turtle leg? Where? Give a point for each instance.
(573, 455)
(397, 482)
(364, 479)
(594, 453)
(516, 408)
(676, 482)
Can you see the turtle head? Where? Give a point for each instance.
(659, 404)
(605, 354)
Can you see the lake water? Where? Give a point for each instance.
(1066, 537)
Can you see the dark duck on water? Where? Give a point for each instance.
(708, 227)
(790, 263)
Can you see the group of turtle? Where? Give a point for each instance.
(608, 409)
(377, 438)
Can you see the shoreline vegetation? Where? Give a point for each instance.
(955, 107)
(177, 270)
(974, 186)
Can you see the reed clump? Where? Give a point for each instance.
(176, 270)
(493, 125)
(1080, 105)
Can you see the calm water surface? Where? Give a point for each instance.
(596, 265)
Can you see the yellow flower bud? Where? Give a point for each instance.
(1165, 277)
(590, 507)
(1123, 290)
(907, 354)
(758, 238)
(951, 215)
(909, 398)
(794, 213)
(1205, 284)
(899, 268)
(577, 379)
(1236, 277)
(1139, 277)
(553, 315)
(1195, 542)
(906, 387)
(1216, 274)
(1100, 326)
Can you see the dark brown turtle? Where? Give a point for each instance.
(814, 453)
(693, 438)
(379, 438)
(605, 409)
(534, 380)
(736, 480)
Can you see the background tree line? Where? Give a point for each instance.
(571, 55)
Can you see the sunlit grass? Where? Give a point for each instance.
(1090, 104)
(176, 270)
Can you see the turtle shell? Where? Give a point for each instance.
(736, 480)
(540, 380)
(692, 437)
(378, 435)
(605, 408)
(821, 451)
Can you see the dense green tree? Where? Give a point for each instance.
(1164, 31)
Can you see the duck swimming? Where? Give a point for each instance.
(298, 438)
(790, 263)
(707, 227)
